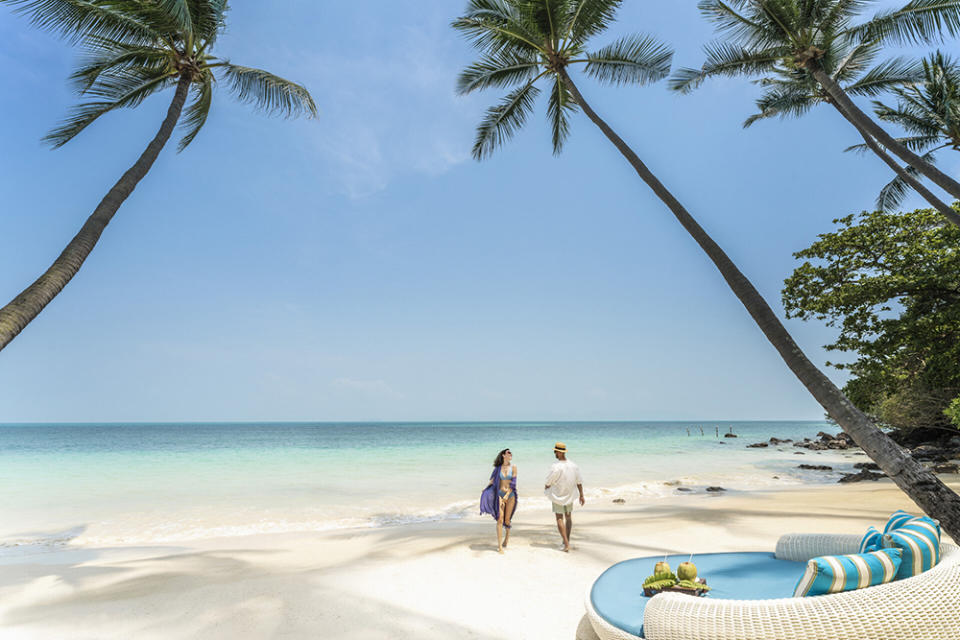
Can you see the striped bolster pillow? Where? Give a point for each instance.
(872, 541)
(832, 574)
(919, 539)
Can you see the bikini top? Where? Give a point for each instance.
(509, 474)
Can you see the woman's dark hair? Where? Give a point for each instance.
(499, 461)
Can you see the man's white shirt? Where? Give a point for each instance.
(563, 478)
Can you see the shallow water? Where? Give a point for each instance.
(92, 484)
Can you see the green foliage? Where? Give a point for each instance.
(134, 49)
(953, 411)
(891, 284)
(524, 41)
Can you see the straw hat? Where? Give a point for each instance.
(562, 448)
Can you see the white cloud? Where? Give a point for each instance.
(386, 116)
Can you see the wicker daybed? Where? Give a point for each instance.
(918, 608)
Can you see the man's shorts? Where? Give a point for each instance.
(562, 508)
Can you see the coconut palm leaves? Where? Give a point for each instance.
(808, 51)
(525, 41)
(929, 110)
(133, 49)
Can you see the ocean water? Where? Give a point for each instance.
(116, 484)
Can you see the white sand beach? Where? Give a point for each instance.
(427, 581)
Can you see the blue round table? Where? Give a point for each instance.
(617, 595)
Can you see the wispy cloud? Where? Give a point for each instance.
(386, 116)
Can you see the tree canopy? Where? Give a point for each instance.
(891, 283)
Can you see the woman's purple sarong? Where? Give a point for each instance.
(490, 498)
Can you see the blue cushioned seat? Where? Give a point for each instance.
(617, 595)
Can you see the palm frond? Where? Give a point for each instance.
(493, 26)
(888, 74)
(106, 54)
(917, 144)
(501, 69)
(268, 93)
(783, 101)
(125, 89)
(195, 115)
(589, 18)
(502, 121)
(631, 60)
(917, 22)
(729, 18)
(908, 116)
(77, 19)
(726, 59)
(179, 13)
(893, 193)
(207, 18)
(559, 106)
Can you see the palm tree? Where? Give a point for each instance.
(793, 92)
(929, 110)
(135, 48)
(771, 38)
(525, 41)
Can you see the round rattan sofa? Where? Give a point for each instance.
(923, 607)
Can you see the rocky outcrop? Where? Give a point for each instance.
(826, 441)
(815, 467)
(864, 474)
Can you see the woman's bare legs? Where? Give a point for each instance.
(500, 528)
(508, 506)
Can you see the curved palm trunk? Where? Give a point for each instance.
(923, 487)
(25, 307)
(915, 184)
(863, 122)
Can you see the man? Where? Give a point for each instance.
(563, 477)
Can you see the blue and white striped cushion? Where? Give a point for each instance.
(898, 519)
(919, 539)
(832, 574)
(872, 541)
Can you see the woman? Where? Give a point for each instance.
(499, 498)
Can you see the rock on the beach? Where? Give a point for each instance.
(758, 445)
(715, 489)
(619, 501)
(872, 466)
(947, 467)
(729, 435)
(815, 467)
(684, 489)
(860, 477)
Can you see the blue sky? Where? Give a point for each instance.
(361, 266)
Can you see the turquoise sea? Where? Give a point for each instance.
(113, 484)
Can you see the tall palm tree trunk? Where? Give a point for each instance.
(863, 122)
(924, 488)
(915, 184)
(25, 307)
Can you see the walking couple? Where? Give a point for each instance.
(562, 485)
